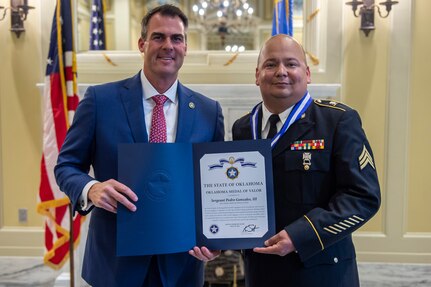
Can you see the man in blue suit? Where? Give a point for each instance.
(121, 112)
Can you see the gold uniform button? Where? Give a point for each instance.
(335, 260)
(219, 271)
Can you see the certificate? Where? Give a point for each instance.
(218, 195)
(234, 194)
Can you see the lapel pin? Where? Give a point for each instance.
(191, 105)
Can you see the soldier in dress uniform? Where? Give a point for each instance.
(325, 179)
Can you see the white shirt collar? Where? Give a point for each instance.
(266, 114)
(150, 91)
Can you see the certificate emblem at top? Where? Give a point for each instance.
(232, 172)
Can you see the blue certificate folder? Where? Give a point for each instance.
(167, 180)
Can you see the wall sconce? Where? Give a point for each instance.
(18, 14)
(366, 11)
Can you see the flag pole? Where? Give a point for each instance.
(71, 251)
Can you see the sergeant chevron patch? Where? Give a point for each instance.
(365, 158)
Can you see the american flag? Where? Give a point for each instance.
(97, 27)
(60, 101)
(282, 22)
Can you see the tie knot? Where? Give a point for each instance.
(159, 99)
(274, 119)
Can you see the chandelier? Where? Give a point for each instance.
(225, 17)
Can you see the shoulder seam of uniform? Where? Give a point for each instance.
(330, 104)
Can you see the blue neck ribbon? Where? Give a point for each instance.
(298, 110)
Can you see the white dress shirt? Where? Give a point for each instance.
(265, 120)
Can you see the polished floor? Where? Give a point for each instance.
(29, 271)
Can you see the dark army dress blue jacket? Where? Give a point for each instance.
(325, 188)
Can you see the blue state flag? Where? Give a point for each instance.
(97, 26)
(282, 22)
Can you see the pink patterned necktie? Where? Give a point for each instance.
(158, 122)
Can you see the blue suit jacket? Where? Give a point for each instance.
(110, 114)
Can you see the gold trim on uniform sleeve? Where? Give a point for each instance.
(344, 225)
(354, 220)
(315, 231)
(335, 229)
(329, 230)
(349, 222)
(357, 217)
(339, 226)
